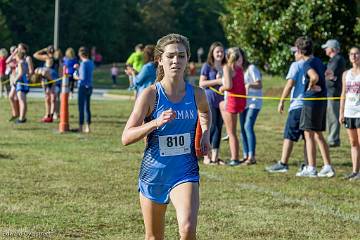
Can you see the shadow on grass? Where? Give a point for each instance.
(29, 129)
(6, 156)
(344, 164)
(114, 122)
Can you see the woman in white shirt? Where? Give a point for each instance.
(253, 85)
(350, 110)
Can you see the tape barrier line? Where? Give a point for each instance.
(38, 84)
(274, 98)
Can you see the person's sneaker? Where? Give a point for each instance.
(326, 171)
(47, 120)
(334, 145)
(302, 167)
(356, 177)
(248, 162)
(18, 121)
(277, 168)
(12, 119)
(350, 176)
(226, 138)
(55, 116)
(307, 172)
(233, 163)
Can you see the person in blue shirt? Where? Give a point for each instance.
(167, 114)
(295, 86)
(147, 74)
(313, 114)
(85, 88)
(70, 61)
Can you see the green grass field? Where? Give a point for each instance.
(79, 186)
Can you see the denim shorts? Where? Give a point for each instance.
(292, 128)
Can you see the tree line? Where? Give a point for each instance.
(113, 26)
(265, 29)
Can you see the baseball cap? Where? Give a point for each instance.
(332, 43)
(293, 49)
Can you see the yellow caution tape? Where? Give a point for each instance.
(40, 84)
(274, 98)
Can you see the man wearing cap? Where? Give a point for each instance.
(333, 75)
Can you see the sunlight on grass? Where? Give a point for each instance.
(84, 186)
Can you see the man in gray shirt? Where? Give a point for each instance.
(335, 68)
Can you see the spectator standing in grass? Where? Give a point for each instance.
(313, 114)
(295, 87)
(253, 87)
(17, 82)
(147, 74)
(4, 87)
(167, 114)
(211, 76)
(22, 88)
(350, 111)
(49, 73)
(114, 73)
(85, 88)
(58, 67)
(70, 61)
(232, 105)
(333, 75)
(135, 62)
(11, 69)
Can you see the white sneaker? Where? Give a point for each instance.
(55, 116)
(327, 171)
(307, 172)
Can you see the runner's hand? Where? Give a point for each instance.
(205, 142)
(165, 117)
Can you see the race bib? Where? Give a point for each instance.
(174, 145)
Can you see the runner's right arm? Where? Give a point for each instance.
(135, 128)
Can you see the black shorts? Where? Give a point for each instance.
(352, 123)
(292, 128)
(313, 118)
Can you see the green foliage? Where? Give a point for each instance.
(5, 35)
(266, 29)
(113, 26)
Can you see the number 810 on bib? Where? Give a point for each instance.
(173, 145)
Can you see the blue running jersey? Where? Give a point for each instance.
(20, 84)
(169, 157)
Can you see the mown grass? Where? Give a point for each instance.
(79, 186)
(102, 78)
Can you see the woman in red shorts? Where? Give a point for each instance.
(233, 83)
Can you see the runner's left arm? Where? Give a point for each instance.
(204, 118)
